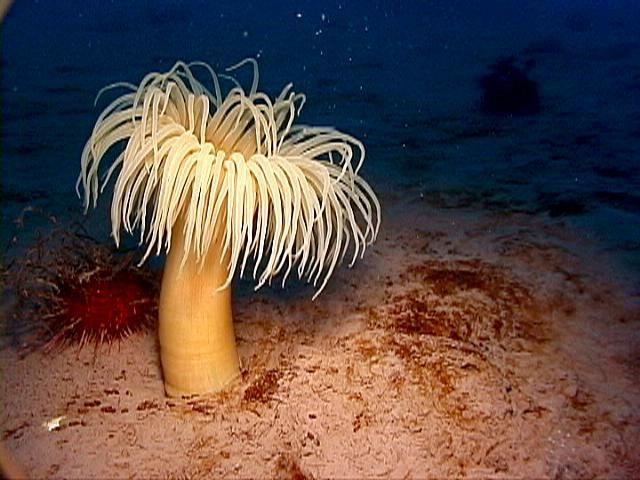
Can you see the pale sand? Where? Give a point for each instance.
(464, 344)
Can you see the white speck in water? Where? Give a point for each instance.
(298, 15)
(245, 34)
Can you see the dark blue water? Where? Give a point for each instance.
(402, 76)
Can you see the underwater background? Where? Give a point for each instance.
(491, 331)
(510, 106)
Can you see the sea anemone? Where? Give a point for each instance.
(220, 181)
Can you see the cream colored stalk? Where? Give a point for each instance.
(220, 183)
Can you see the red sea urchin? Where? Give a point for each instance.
(102, 307)
(70, 289)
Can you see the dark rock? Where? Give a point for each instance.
(562, 205)
(507, 89)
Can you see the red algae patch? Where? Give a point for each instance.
(264, 387)
(452, 324)
(468, 301)
(287, 468)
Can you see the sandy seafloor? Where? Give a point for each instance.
(493, 329)
(467, 344)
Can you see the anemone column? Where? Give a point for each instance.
(197, 341)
